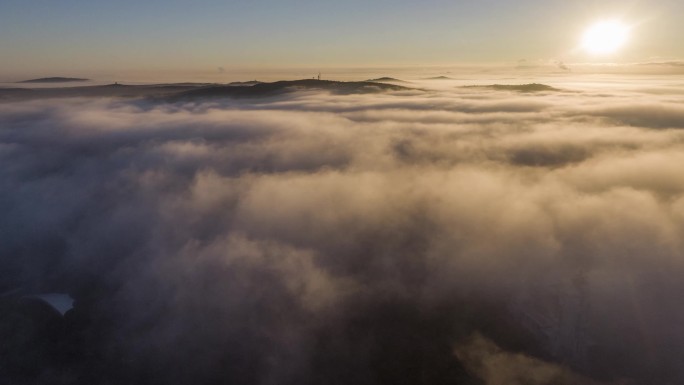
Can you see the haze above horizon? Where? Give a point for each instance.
(76, 36)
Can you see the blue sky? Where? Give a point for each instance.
(178, 34)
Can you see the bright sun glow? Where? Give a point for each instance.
(605, 37)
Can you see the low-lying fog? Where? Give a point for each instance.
(437, 234)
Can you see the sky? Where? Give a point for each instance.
(72, 36)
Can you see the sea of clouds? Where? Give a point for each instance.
(367, 238)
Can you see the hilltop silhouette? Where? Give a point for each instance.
(284, 86)
(387, 80)
(247, 83)
(174, 91)
(54, 80)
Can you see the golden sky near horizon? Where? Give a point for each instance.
(74, 36)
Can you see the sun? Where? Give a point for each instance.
(605, 37)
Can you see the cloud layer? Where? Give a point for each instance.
(324, 238)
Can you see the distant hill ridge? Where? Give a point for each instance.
(54, 80)
(387, 79)
(283, 86)
(184, 91)
(247, 83)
